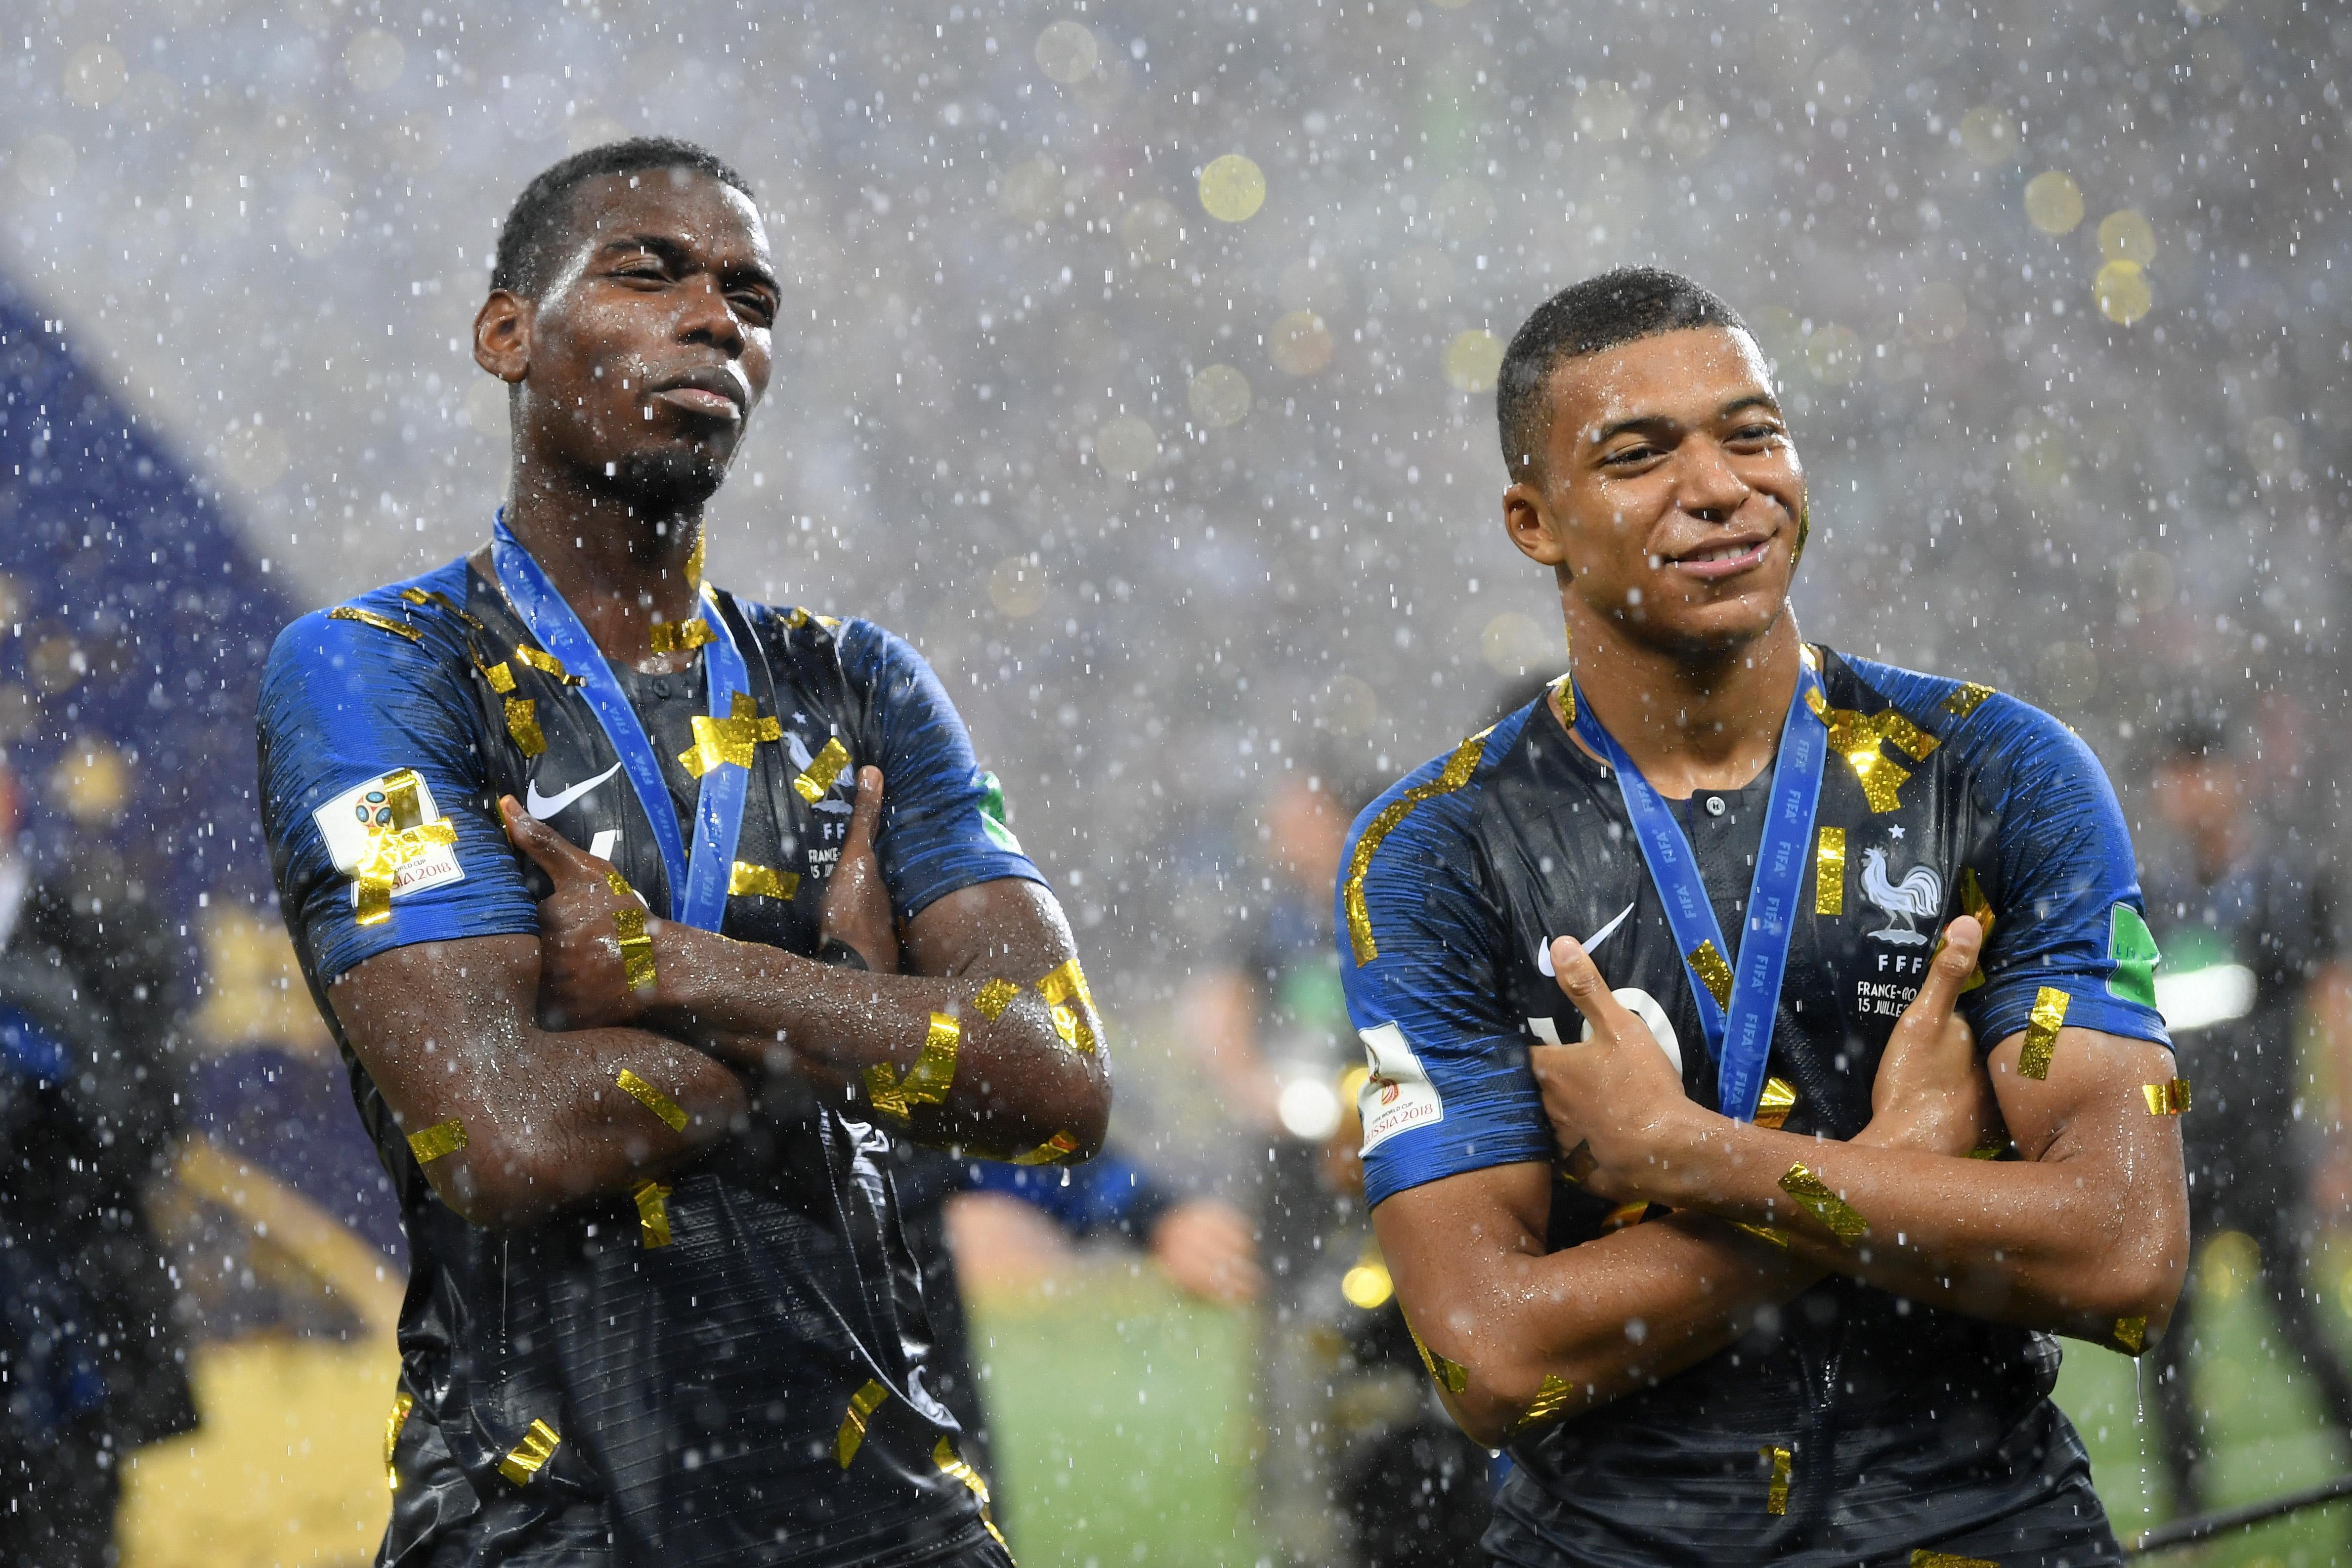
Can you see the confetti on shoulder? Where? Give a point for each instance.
(381, 623)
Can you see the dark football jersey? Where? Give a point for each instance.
(1904, 1427)
(751, 1390)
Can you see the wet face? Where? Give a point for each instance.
(1669, 490)
(639, 363)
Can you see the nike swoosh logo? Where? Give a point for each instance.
(545, 806)
(1543, 949)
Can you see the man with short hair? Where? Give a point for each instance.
(1724, 1274)
(631, 1082)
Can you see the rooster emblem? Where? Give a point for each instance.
(1919, 896)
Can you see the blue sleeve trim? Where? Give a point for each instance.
(1101, 1194)
(343, 702)
(936, 835)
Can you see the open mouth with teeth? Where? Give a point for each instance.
(1727, 559)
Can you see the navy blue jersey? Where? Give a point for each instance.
(754, 1389)
(1908, 1425)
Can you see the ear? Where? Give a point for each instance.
(503, 335)
(1526, 517)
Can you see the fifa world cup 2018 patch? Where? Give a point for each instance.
(390, 839)
(1397, 1094)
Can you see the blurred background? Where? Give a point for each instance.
(1137, 363)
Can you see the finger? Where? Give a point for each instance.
(549, 850)
(1582, 984)
(865, 815)
(1948, 971)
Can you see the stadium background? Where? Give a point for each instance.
(1179, 484)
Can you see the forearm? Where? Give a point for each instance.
(1535, 1339)
(972, 1059)
(2072, 1246)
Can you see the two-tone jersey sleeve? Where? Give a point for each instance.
(942, 824)
(374, 796)
(2068, 917)
(1421, 961)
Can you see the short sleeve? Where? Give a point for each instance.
(2067, 911)
(1448, 1089)
(942, 818)
(374, 795)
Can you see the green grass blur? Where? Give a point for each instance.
(1125, 1428)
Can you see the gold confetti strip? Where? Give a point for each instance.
(1967, 700)
(952, 1464)
(2167, 1099)
(522, 723)
(636, 948)
(618, 883)
(1923, 1558)
(1857, 737)
(1456, 773)
(995, 996)
(694, 558)
(653, 1100)
(1991, 1150)
(1551, 1400)
(718, 741)
(1974, 901)
(1052, 1150)
(1776, 1496)
(1068, 982)
(928, 1081)
(547, 664)
(391, 848)
(761, 881)
(862, 1405)
(1564, 689)
(652, 1213)
(681, 636)
(524, 1460)
(381, 623)
(423, 596)
(2132, 1334)
(1712, 973)
(1626, 1214)
(1773, 1105)
(1823, 1205)
(1764, 1233)
(1450, 1375)
(441, 1138)
(1829, 871)
(402, 1403)
(2042, 1028)
(822, 769)
(500, 676)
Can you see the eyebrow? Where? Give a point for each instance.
(1646, 422)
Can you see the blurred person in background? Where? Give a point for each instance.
(1203, 1245)
(92, 1361)
(632, 1083)
(2249, 915)
(1359, 1465)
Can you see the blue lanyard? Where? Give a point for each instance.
(698, 890)
(1737, 997)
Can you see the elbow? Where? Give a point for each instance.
(2140, 1286)
(493, 1186)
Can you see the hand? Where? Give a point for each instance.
(1616, 1103)
(1932, 1093)
(1208, 1250)
(857, 904)
(581, 981)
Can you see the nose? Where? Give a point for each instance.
(706, 318)
(1709, 488)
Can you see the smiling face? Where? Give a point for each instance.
(1668, 492)
(640, 362)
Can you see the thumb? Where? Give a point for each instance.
(865, 815)
(1954, 961)
(549, 850)
(1581, 980)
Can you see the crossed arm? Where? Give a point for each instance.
(524, 1040)
(2087, 1235)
